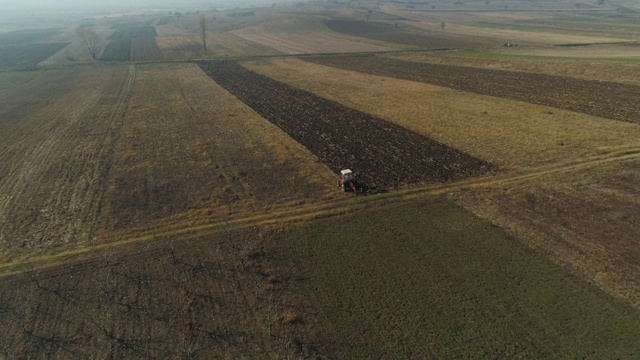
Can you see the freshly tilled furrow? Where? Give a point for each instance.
(382, 153)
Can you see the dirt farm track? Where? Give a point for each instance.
(174, 196)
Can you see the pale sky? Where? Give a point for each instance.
(44, 5)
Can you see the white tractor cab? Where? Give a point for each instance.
(347, 181)
(347, 174)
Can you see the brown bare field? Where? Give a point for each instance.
(178, 47)
(406, 35)
(217, 296)
(176, 43)
(117, 50)
(190, 154)
(172, 149)
(145, 48)
(597, 51)
(295, 36)
(487, 127)
(222, 44)
(57, 132)
(521, 22)
(132, 43)
(132, 32)
(455, 26)
(13, 79)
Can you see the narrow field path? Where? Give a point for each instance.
(288, 215)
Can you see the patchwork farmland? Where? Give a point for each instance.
(387, 155)
(160, 202)
(609, 100)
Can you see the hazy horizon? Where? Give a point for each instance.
(11, 8)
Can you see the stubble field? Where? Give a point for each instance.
(58, 133)
(190, 153)
(144, 148)
(607, 100)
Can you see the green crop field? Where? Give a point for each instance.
(429, 280)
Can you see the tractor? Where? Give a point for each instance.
(347, 181)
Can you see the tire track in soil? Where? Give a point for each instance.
(609, 100)
(384, 154)
(287, 214)
(111, 136)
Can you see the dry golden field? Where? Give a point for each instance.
(146, 147)
(303, 36)
(595, 67)
(512, 134)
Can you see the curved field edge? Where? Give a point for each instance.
(383, 153)
(427, 279)
(608, 100)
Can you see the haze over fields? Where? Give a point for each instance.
(172, 179)
(30, 8)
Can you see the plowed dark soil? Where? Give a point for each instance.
(384, 154)
(133, 32)
(608, 100)
(132, 43)
(117, 50)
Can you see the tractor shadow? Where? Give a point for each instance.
(372, 191)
